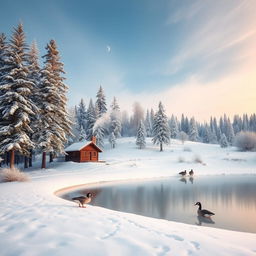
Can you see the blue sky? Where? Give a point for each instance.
(196, 56)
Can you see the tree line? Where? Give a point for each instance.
(153, 124)
(33, 112)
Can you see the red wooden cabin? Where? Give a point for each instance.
(83, 152)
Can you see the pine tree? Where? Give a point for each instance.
(55, 125)
(112, 140)
(81, 115)
(161, 132)
(82, 134)
(141, 133)
(173, 127)
(16, 107)
(4, 58)
(148, 124)
(223, 141)
(193, 132)
(230, 132)
(115, 119)
(91, 119)
(101, 102)
(99, 133)
(34, 76)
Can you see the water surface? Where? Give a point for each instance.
(231, 197)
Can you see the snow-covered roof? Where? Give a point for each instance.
(79, 145)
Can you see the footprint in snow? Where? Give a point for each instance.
(178, 238)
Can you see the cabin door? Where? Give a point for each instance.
(90, 156)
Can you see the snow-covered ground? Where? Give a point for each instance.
(34, 221)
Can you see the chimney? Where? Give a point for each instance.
(94, 139)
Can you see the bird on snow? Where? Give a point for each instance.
(191, 173)
(82, 200)
(203, 212)
(183, 173)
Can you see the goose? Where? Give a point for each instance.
(83, 200)
(183, 173)
(204, 213)
(191, 173)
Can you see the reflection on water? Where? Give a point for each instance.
(232, 198)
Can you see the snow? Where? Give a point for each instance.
(34, 221)
(77, 146)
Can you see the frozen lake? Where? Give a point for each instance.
(231, 197)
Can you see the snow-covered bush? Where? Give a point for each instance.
(245, 141)
(9, 175)
(183, 136)
(181, 159)
(187, 149)
(198, 159)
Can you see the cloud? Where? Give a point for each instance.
(108, 49)
(214, 32)
(233, 94)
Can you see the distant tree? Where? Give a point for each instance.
(161, 132)
(141, 133)
(229, 132)
(207, 135)
(81, 115)
(82, 134)
(112, 140)
(148, 124)
(101, 102)
(173, 127)
(138, 115)
(99, 133)
(125, 124)
(115, 119)
(16, 107)
(223, 141)
(183, 136)
(193, 132)
(91, 119)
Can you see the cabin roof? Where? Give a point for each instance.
(80, 145)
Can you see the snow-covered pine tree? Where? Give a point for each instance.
(81, 115)
(148, 124)
(101, 102)
(115, 119)
(91, 119)
(99, 133)
(173, 127)
(207, 134)
(4, 54)
(230, 132)
(82, 134)
(34, 76)
(55, 124)
(223, 141)
(16, 107)
(112, 140)
(141, 133)
(161, 132)
(193, 132)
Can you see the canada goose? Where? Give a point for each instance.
(183, 173)
(204, 213)
(191, 173)
(83, 199)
